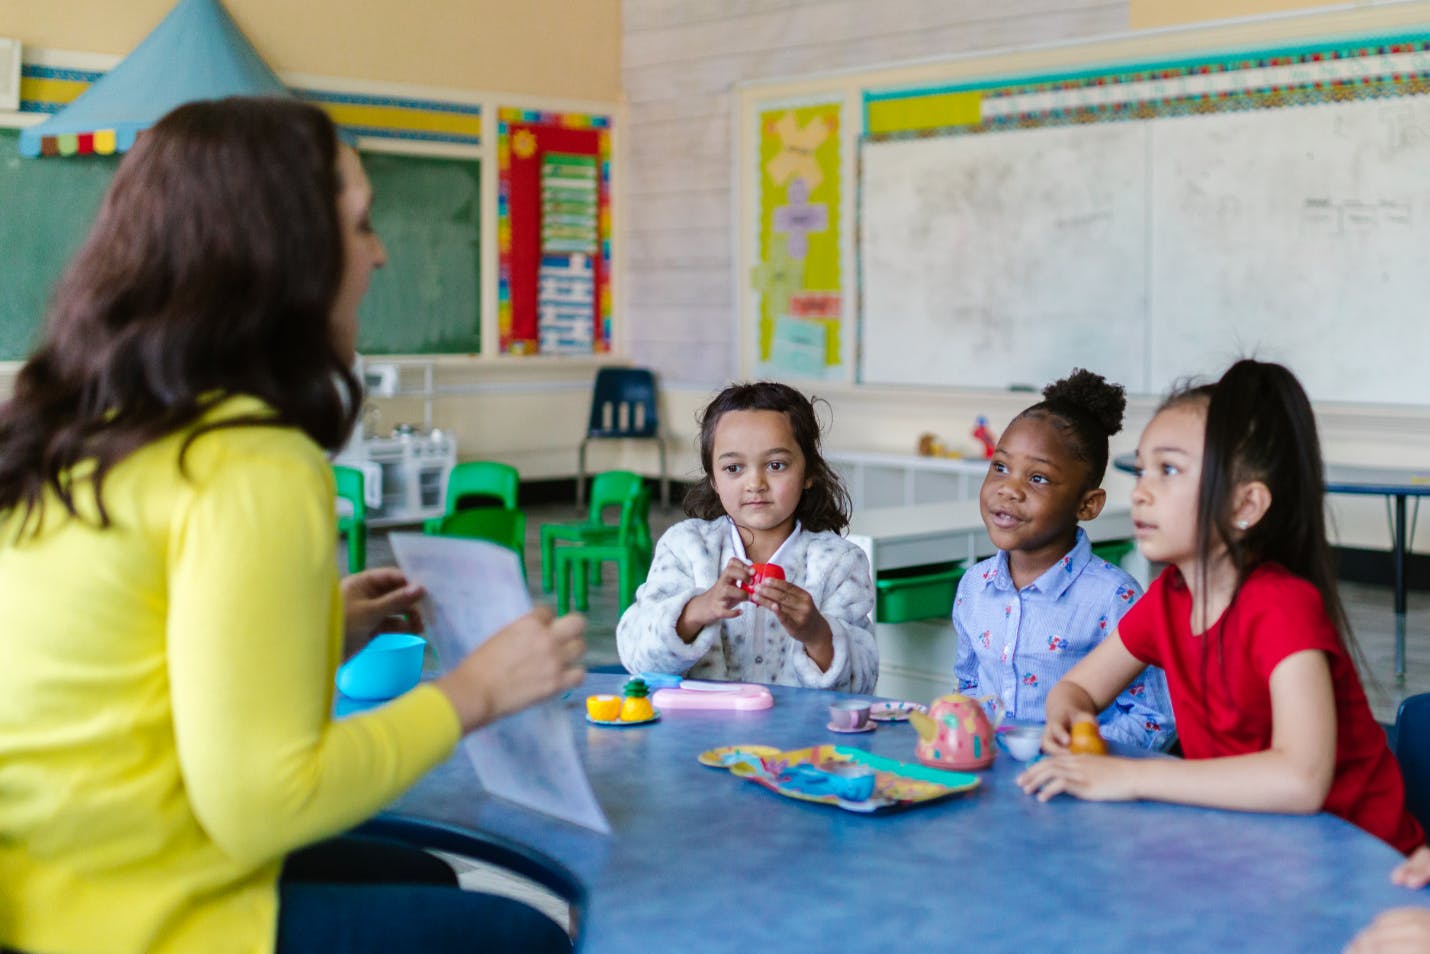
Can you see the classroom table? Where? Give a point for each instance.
(1393, 483)
(897, 537)
(700, 860)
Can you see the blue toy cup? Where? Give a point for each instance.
(387, 666)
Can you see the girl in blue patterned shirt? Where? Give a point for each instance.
(1026, 615)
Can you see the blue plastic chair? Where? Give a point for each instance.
(623, 407)
(1412, 751)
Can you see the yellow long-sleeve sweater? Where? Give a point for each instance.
(165, 699)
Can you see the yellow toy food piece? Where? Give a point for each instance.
(1086, 740)
(603, 708)
(636, 709)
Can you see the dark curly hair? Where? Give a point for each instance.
(823, 506)
(1086, 409)
(211, 269)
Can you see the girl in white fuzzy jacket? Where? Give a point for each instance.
(769, 497)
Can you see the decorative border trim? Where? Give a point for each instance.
(1343, 71)
(48, 89)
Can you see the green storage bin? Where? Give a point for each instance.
(916, 592)
(1113, 551)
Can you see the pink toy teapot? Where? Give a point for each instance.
(956, 733)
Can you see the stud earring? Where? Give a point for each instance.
(1242, 525)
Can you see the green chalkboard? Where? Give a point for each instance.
(427, 298)
(46, 207)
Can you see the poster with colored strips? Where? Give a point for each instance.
(553, 232)
(800, 330)
(566, 289)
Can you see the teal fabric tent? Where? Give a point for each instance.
(196, 52)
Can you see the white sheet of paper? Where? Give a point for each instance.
(474, 588)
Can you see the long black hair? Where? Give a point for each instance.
(1260, 427)
(211, 269)
(824, 505)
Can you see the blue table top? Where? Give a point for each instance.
(702, 860)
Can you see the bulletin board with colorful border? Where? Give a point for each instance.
(1301, 58)
(538, 277)
(800, 331)
(422, 155)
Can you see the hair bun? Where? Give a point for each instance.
(1092, 395)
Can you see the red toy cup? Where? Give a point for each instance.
(759, 572)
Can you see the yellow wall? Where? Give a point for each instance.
(557, 48)
(1146, 14)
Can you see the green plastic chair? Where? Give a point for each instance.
(630, 551)
(479, 478)
(489, 481)
(353, 528)
(610, 489)
(501, 525)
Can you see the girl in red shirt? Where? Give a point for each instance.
(1245, 620)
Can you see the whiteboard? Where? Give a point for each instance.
(1301, 236)
(1155, 250)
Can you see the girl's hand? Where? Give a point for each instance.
(1097, 778)
(526, 661)
(375, 601)
(795, 609)
(1397, 931)
(1414, 871)
(721, 601)
(1063, 708)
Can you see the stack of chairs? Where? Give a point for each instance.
(626, 542)
(481, 504)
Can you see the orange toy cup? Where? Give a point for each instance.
(603, 708)
(1086, 740)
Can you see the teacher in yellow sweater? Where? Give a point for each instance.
(172, 613)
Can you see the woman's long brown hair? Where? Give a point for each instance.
(210, 270)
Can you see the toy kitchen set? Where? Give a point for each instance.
(405, 469)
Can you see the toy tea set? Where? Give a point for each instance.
(956, 736)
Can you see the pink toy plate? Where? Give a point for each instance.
(693, 694)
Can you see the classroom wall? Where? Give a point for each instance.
(678, 64)
(537, 47)
(682, 62)
(1148, 14)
